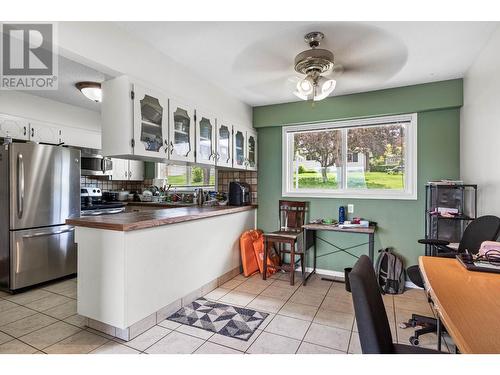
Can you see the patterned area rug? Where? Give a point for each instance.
(231, 321)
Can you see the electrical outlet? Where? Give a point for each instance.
(350, 208)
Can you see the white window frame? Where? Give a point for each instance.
(409, 157)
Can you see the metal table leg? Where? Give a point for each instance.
(314, 253)
(439, 332)
(371, 246)
(264, 265)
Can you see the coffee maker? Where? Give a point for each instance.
(239, 194)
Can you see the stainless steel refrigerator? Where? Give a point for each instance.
(39, 190)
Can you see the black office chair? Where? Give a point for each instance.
(484, 228)
(373, 326)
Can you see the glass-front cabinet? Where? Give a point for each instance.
(150, 123)
(224, 145)
(244, 148)
(205, 138)
(239, 148)
(251, 154)
(182, 129)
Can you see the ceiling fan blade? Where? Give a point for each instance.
(264, 59)
(269, 88)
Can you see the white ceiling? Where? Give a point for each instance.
(254, 60)
(69, 73)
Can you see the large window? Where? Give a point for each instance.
(365, 158)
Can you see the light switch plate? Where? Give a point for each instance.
(350, 208)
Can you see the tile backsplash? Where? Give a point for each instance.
(226, 176)
(106, 184)
(223, 179)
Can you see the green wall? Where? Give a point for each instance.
(400, 222)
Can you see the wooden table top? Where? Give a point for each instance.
(147, 219)
(468, 303)
(336, 228)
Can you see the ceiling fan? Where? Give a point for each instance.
(364, 57)
(318, 67)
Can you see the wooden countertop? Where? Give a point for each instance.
(147, 219)
(160, 204)
(467, 301)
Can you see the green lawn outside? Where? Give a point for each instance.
(360, 180)
(180, 180)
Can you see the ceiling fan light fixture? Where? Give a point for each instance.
(312, 63)
(300, 95)
(305, 86)
(91, 90)
(327, 85)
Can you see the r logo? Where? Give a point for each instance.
(29, 56)
(27, 49)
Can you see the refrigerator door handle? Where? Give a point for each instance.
(20, 185)
(41, 234)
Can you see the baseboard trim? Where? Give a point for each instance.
(339, 276)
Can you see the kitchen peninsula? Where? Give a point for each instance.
(137, 268)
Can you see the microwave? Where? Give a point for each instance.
(94, 164)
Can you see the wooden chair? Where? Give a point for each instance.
(291, 219)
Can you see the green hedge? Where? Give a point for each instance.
(380, 168)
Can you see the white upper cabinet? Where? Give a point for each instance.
(224, 144)
(181, 132)
(127, 170)
(37, 131)
(150, 123)
(142, 124)
(136, 170)
(205, 138)
(117, 117)
(244, 148)
(239, 147)
(45, 132)
(120, 169)
(251, 154)
(14, 127)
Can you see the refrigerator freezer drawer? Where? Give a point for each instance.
(41, 254)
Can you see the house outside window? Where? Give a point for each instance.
(364, 158)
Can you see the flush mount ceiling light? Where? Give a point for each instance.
(91, 90)
(314, 63)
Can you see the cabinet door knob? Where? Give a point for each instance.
(24, 130)
(171, 147)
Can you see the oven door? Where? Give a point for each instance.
(42, 254)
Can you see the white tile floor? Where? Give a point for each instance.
(317, 318)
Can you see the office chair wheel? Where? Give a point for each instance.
(414, 341)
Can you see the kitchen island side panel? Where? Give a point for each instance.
(101, 275)
(165, 263)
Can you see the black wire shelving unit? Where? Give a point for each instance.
(462, 197)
